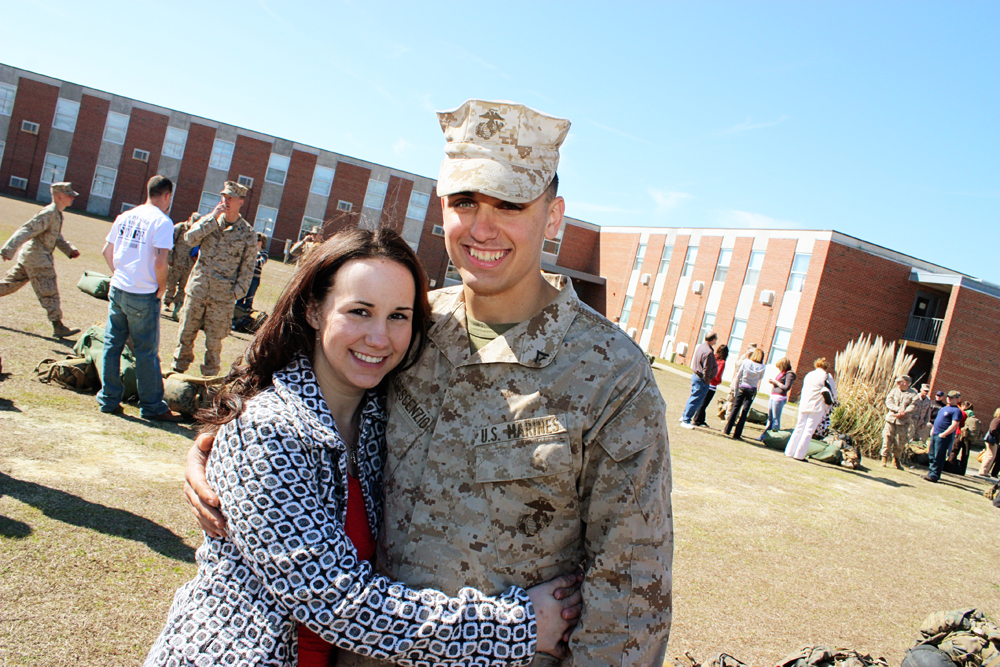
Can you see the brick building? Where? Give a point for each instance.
(801, 294)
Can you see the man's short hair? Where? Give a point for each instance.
(552, 191)
(159, 186)
(710, 336)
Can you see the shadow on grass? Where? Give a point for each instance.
(7, 405)
(65, 342)
(76, 511)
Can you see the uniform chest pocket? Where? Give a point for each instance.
(530, 485)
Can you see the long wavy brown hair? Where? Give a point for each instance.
(287, 332)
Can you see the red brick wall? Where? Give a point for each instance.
(968, 350)
(250, 158)
(350, 182)
(146, 130)
(580, 249)
(856, 293)
(24, 153)
(194, 166)
(86, 146)
(773, 276)
(617, 253)
(666, 297)
(732, 287)
(644, 293)
(293, 199)
(432, 252)
(694, 304)
(397, 200)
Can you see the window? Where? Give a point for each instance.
(29, 127)
(675, 321)
(54, 168)
(692, 254)
(322, 181)
(668, 252)
(736, 337)
(140, 155)
(437, 230)
(650, 316)
(245, 181)
(626, 311)
(417, 210)
(800, 267)
(344, 206)
(551, 246)
(639, 256)
(18, 183)
(753, 268)
(116, 127)
(452, 273)
(7, 92)
(266, 217)
(222, 154)
(66, 112)
(722, 268)
(127, 207)
(208, 202)
(174, 142)
(779, 346)
(707, 324)
(375, 197)
(104, 182)
(277, 169)
(308, 224)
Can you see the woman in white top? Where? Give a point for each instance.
(747, 379)
(812, 407)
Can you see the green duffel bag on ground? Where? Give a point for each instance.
(90, 346)
(74, 373)
(756, 416)
(818, 450)
(95, 284)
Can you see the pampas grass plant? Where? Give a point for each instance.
(866, 372)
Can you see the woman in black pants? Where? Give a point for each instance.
(748, 377)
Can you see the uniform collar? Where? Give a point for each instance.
(532, 343)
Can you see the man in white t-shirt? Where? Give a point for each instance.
(136, 250)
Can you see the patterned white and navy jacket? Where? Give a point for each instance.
(280, 470)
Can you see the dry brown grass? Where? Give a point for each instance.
(771, 553)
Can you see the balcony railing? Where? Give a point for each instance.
(923, 330)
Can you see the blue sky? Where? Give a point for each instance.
(877, 119)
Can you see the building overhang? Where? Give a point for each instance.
(575, 275)
(952, 280)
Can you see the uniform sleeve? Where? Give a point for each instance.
(270, 486)
(201, 228)
(244, 274)
(625, 504)
(65, 246)
(24, 233)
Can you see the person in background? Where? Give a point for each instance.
(824, 424)
(721, 354)
(747, 379)
(246, 303)
(991, 440)
(901, 403)
(704, 368)
(812, 406)
(182, 259)
(942, 435)
(920, 426)
(780, 386)
(40, 236)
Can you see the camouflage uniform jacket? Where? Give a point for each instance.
(545, 450)
(40, 236)
(901, 401)
(180, 254)
(922, 412)
(225, 262)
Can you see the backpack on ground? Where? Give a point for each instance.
(73, 373)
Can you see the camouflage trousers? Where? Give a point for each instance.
(43, 281)
(214, 318)
(177, 278)
(894, 439)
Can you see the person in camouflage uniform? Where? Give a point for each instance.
(35, 264)
(531, 437)
(221, 275)
(902, 403)
(181, 263)
(920, 425)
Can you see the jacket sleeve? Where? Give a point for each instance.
(201, 228)
(65, 246)
(24, 233)
(625, 488)
(738, 377)
(272, 489)
(244, 274)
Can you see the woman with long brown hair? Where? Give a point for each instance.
(297, 464)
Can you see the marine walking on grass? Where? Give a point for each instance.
(35, 264)
(182, 259)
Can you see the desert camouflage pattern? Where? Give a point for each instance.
(234, 189)
(502, 149)
(220, 276)
(901, 401)
(63, 188)
(35, 264)
(545, 450)
(181, 263)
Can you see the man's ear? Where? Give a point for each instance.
(557, 208)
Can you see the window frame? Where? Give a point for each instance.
(272, 167)
(96, 190)
(169, 144)
(371, 195)
(751, 271)
(45, 167)
(7, 100)
(58, 119)
(640, 257)
(665, 257)
(267, 230)
(647, 324)
(689, 260)
(323, 192)
(722, 269)
(674, 323)
(415, 210)
(108, 127)
(771, 356)
(797, 279)
(214, 196)
(216, 159)
(345, 209)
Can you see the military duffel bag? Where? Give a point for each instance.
(73, 373)
(95, 284)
